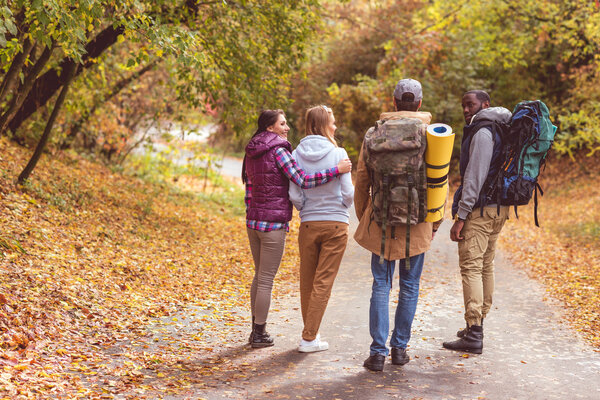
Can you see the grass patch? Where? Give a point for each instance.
(201, 183)
(582, 233)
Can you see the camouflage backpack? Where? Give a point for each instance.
(394, 155)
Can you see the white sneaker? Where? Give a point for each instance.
(312, 346)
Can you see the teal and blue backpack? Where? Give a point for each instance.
(524, 147)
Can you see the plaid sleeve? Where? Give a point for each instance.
(288, 166)
(248, 195)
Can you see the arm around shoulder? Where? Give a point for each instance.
(295, 192)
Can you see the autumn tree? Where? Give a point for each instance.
(232, 55)
(536, 49)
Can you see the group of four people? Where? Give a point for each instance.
(322, 191)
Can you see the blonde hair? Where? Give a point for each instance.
(317, 120)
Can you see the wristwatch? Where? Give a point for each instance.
(457, 218)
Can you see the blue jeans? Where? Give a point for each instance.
(379, 321)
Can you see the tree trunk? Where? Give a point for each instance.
(12, 75)
(46, 85)
(24, 89)
(68, 75)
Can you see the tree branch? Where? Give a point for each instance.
(116, 89)
(16, 66)
(46, 85)
(24, 89)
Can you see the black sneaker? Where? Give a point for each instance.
(375, 362)
(399, 356)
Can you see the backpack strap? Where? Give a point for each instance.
(386, 184)
(372, 216)
(535, 202)
(499, 191)
(433, 210)
(411, 183)
(435, 183)
(422, 193)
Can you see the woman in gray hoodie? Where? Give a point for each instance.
(324, 222)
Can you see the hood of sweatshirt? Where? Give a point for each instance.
(314, 148)
(496, 114)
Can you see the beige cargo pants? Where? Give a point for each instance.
(476, 260)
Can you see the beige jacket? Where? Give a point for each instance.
(368, 233)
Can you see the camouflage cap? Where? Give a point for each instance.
(408, 86)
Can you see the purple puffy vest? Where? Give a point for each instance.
(270, 200)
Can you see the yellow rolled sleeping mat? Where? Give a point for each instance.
(440, 142)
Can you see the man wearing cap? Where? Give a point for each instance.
(408, 96)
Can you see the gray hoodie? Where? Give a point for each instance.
(480, 157)
(329, 202)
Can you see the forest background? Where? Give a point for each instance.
(86, 82)
(131, 64)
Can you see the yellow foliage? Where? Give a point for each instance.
(564, 253)
(106, 257)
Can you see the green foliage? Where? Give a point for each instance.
(63, 23)
(233, 58)
(194, 161)
(531, 50)
(64, 194)
(579, 131)
(269, 39)
(587, 232)
(226, 58)
(10, 244)
(7, 25)
(358, 109)
(152, 167)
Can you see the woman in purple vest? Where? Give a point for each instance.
(267, 170)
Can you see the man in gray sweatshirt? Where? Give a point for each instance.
(477, 220)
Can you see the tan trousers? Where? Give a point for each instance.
(267, 250)
(476, 259)
(322, 245)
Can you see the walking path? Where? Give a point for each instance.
(528, 352)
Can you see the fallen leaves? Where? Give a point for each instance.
(564, 253)
(92, 308)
